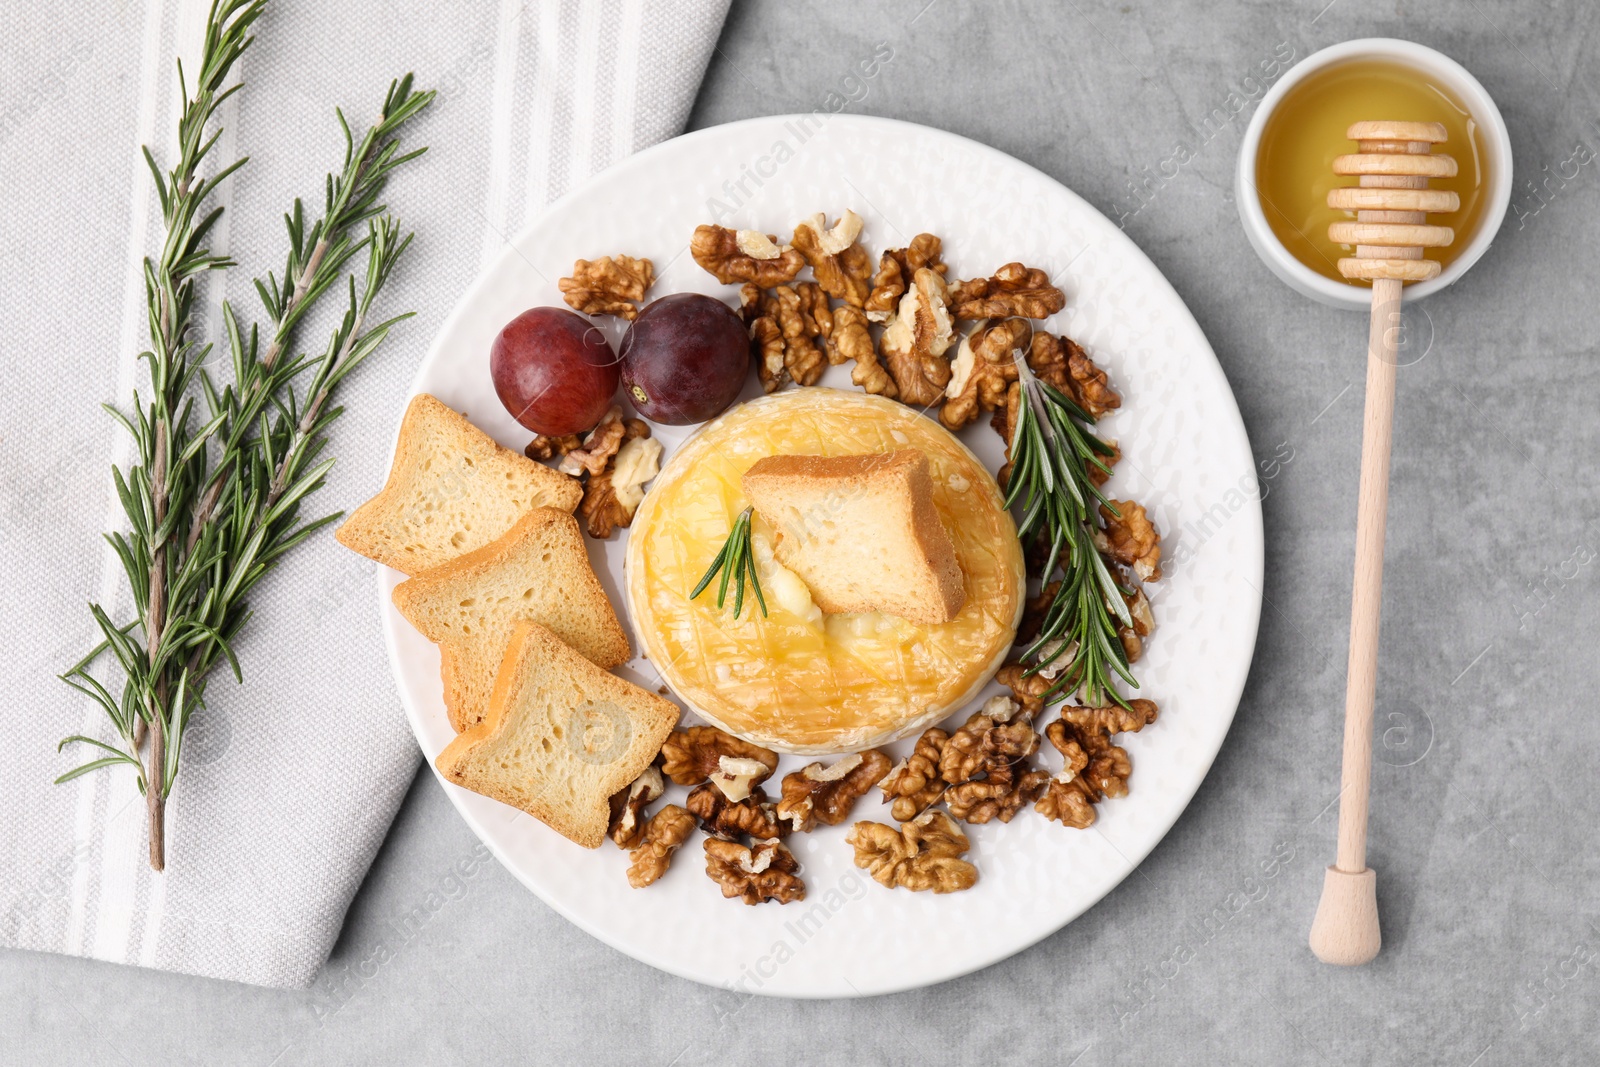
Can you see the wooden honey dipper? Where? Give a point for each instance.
(1391, 205)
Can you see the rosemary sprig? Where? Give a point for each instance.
(316, 258)
(241, 513)
(1052, 450)
(735, 561)
(158, 491)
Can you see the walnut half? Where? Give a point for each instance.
(611, 497)
(734, 256)
(1090, 385)
(841, 265)
(542, 447)
(1063, 363)
(1013, 290)
(599, 445)
(916, 339)
(610, 285)
(666, 832)
(695, 754)
(1093, 768)
(1131, 539)
(1144, 623)
(851, 339)
(895, 269)
(627, 807)
(766, 872)
(818, 794)
(728, 818)
(914, 785)
(789, 328)
(636, 463)
(1027, 689)
(803, 320)
(982, 371)
(993, 738)
(924, 855)
(999, 796)
(767, 345)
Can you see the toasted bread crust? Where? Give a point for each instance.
(430, 424)
(463, 658)
(934, 540)
(581, 818)
(849, 470)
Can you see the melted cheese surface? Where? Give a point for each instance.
(798, 680)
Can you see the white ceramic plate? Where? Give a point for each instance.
(1185, 456)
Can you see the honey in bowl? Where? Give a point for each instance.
(1294, 167)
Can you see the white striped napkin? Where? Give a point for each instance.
(290, 782)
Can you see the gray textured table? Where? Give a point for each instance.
(1484, 797)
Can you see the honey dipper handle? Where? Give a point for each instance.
(1345, 930)
(1366, 597)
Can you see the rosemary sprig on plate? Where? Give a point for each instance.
(1052, 449)
(213, 507)
(734, 562)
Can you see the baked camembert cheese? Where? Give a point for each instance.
(796, 679)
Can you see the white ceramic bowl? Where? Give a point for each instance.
(1497, 163)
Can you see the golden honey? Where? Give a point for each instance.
(795, 679)
(1299, 140)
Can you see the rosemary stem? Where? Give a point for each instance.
(208, 503)
(154, 623)
(155, 793)
(156, 599)
(280, 337)
(155, 609)
(280, 477)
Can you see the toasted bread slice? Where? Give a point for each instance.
(560, 738)
(451, 489)
(861, 532)
(539, 571)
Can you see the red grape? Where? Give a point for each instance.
(554, 371)
(684, 359)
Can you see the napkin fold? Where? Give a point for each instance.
(289, 782)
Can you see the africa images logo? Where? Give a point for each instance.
(597, 731)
